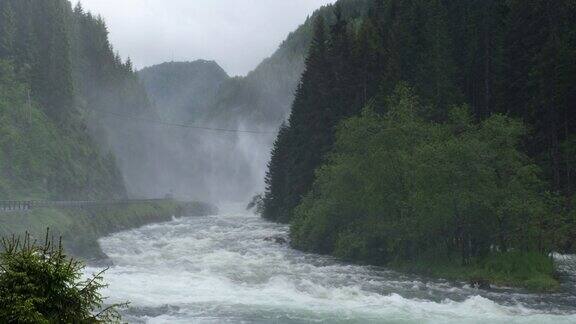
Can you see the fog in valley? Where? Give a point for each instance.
(198, 133)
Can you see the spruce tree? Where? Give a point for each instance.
(52, 82)
(7, 30)
(306, 136)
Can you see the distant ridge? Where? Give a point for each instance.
(183, 90)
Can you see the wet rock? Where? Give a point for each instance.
(276, 239)
(153, 311)
(480, 283)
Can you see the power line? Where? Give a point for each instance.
(172, 124)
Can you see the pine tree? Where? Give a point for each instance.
(400, 46)
(435, 66)
(273, 202)
(343, 88)
(7, 30)
(128, 66)
(52, 81)
(306, 137)
(26, 43)
(368, 58)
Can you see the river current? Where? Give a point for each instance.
(221, 269)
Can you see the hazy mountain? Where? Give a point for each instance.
(183, 90)
(264, 97)
(227, 165)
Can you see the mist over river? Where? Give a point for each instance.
(220, 269)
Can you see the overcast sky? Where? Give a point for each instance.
(237, 34)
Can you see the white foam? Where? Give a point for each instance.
(220, 268)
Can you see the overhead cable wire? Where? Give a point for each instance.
(172, 124)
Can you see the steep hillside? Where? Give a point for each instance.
(114, 103)
(263, 98)
(46, 151)
(92, 103)
(438, 137)
(508, 69)
(39, 159)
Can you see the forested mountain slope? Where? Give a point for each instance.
(509, 57)
(82, 94)
(435, 135)
(114, 103)
(46, 151)
(43, 159)
(265, 95)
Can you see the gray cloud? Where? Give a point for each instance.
(238, 34)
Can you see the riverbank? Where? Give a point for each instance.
(80, 228)
(531, 271)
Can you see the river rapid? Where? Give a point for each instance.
(220, 269)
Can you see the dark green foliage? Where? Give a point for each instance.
(41, 284)
(398, 189)
(412, 189)
(275, 205)
(537, 78)
(309, 135)
(388, 47)
(51, 81)
(418, 184)
(510, 57)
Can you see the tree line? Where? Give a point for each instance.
(495, 174)
(59, 68)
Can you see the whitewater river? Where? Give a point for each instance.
(219, 269)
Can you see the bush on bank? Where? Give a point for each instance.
(41, 284)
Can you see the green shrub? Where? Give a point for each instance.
(41, 284)
(531, 270)
(399, 188)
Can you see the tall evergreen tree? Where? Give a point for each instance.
(306, 139)
(435, 66)
(52, 80)
(7, 30)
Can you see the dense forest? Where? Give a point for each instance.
(46, 150)
(67, 104)
(432, 130)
